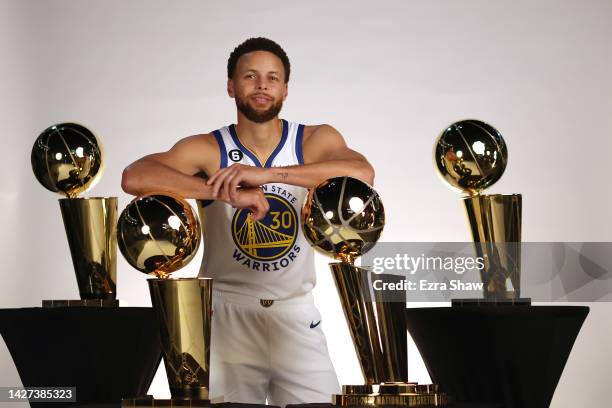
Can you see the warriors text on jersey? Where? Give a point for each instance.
(266, 259)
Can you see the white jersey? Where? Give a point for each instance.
(266, 259)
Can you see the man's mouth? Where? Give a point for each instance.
(261, 99)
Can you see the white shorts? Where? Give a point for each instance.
(276, 353)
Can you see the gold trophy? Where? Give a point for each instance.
(159, 234)
(67, 159)
(471, 155)
(344, 217)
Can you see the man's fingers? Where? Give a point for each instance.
(217, 186)
(215, 176)
(264, 207)
(227, 184)
(259, 213)
(233, 193)
(220, 178)
(260, 207)
(219, 173)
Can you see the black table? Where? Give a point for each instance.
(510, 355)
(218, 405)
(106, 353)
(448, 406)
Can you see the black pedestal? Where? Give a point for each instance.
(510, 355)
(447, 406)
(218, 405)
(106, 353)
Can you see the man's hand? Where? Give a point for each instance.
(226, 181)
(251, 198)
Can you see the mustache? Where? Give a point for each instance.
(262, 94)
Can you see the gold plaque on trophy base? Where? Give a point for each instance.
(390, 394)
(148, 401)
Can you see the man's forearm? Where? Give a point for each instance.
(309, 175)
(146, 176)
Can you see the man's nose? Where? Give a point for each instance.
(262, 84)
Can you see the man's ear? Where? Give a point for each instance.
(230, 88)
(286, 91)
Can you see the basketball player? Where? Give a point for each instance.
(267, 342)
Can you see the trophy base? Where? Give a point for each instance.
(149, 401)
(80, 303)
(491, 302)
(391, 394)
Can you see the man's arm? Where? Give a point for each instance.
(173, 171)
(326, 155)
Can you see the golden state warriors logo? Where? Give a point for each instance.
(270, 238)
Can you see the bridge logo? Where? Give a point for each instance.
(270, 238)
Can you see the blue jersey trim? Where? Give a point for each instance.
(298, 144)
(254, 158)
(280, 144)
(244, 150)
(222, 150)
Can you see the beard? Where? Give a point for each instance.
(258, 116)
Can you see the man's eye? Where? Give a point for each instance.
(251, 76)
(274, 78)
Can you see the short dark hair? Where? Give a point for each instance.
(258, 44)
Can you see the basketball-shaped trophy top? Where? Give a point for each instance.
(158, 233)
(470, 155)
(67, 159)
(343, 217)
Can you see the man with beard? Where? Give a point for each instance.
(267, 342)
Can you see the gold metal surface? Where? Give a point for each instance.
(391, 394)
(470, 155)
(90, 227)
(67, 159)
(158, 233)
(150, 402)
(495, 223)
(184, 309)
(423, 399)
(378, 329)
(343, 217)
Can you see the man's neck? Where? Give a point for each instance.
(260, 137)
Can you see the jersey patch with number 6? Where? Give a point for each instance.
(235, 155)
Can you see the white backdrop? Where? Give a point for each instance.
(389, 75)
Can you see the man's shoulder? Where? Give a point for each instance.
(200, 145)
(201, 149)
(202, 139)
(323, 129)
